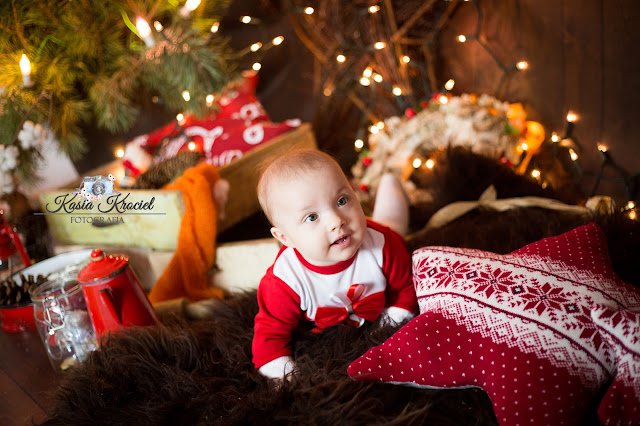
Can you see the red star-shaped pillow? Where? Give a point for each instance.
(519, 326)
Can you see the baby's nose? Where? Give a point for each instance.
(335, 221)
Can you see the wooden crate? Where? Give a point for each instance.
(243, 176)
(159, 229)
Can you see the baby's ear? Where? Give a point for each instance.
(278, 235)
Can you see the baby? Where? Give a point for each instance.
(334, 267)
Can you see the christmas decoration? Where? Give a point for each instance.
(483, 124)
(65, 65)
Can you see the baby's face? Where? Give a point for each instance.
(318, 214)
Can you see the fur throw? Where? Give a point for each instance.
(201, 373)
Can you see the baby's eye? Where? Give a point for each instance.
(311, 218)
(342, 201)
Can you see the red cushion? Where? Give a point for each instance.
(519, 326)
(621, 329)
(222, 140)
(238, 124)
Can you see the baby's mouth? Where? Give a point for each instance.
(342, 241)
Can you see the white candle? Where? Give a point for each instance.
(25, 67)
(189, 7)
(145, 32)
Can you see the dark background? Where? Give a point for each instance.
(582, 55)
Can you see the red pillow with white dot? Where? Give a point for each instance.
(518, 326)
(239, 124)
(621, 329)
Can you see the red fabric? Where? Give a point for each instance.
(280, 311)
(237, 124)
(368, 308)
(221, 140)
(519, 326)
(621, 329)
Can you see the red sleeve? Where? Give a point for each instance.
(278, 316)
(397, 268)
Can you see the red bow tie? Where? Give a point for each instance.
(368, 307)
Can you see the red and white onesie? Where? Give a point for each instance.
(378, 276)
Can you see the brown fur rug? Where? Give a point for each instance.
(201, 373)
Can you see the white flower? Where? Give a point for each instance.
(6, 183)
(31, 135)
(8, 157)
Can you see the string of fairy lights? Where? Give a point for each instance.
(562, 145)
(398, 85)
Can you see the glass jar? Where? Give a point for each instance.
(63, 321)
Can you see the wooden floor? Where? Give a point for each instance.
(27, 379)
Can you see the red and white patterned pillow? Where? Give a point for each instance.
(621, 329)
(519, 326)
(239, 125)
(221, 140)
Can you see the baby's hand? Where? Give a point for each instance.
(395, 316)
(279, 368)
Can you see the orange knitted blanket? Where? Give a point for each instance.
(187, 274)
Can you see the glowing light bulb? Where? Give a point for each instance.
(374, 9)
(406, 59)
(191, 146)
(631, 205)
(462, 38)
(554, 137)
(186, 96)
(417, 163)
(341, 58)
(189, 7)
(443, 99)
(192, 4)
(379, 45)
(397, 91)
(181, 119)
(158, 26)
(632, 215)
(365, 81)
(359, 144)
(256, 66)
(377, 78)
(245, 19)
(380, 125)
(374, 129)
(522, 65)
(367, 72)
(535, 173)
(430, 163)
(255, 46)
(328, 91)
(25, 69)
(215, 27)
(524, 146)
(449, 84)
(145, 31)
(119, 152)
(573, 155)
(308, 10)
(571, 116)
(602, 148)
(209, 99)
(278, 40)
